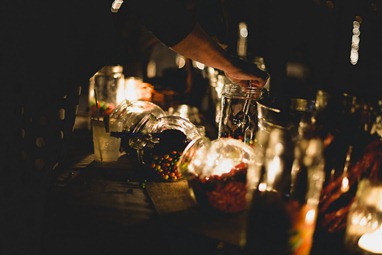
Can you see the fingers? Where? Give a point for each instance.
(248, 81)
(248, 74)
(257, 83)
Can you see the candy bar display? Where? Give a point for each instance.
(220, 174)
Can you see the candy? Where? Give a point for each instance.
(224, 193)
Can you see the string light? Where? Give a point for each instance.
(354, 51)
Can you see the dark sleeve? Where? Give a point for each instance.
(169, 20)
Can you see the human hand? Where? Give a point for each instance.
(246, 73)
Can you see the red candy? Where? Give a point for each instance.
(224, 193)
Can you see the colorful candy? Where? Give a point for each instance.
(165, 154)
(165, 166)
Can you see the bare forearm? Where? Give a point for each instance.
(200, 47)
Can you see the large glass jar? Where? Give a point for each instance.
(160, 143)
(132, 112)
(220, 174)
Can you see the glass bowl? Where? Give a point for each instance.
(221, 174)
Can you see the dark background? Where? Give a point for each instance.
(305, 44)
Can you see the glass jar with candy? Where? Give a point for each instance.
(220, 174)
(160, 143)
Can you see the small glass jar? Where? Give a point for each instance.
(160, 142)
(220, 174)
(283, 112)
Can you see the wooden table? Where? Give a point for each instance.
(113, 208)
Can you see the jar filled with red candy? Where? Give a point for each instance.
(220, 173)
(160, 143)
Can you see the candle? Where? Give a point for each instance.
(372, 242)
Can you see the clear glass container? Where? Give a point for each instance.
(364, 222)
(238, 118)
(132, 112)
(106, 84)
(285, 204)
(283, 113)
(220, 174)
(160, 142)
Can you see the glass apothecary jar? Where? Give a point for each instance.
(220, 173)
(132, 112)
(160, 142)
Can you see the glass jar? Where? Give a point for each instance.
(364, 222)
(220, 174)
(132, 112)
(284, 206)
(238, 118)
(283, 112)
(160, 143)
(105, 85)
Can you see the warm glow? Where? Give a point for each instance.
(372, 242)
(242, 40)
(354, 54)
(310, 217)
(131, 88)
(211, 70)
(273, 170)
(224, 166)
(151, 69)
(345, 184)
(243, 29)
(262, 186)
(135, 89)
(199, 65)
(180, 61)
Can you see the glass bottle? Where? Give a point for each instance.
(283, 213)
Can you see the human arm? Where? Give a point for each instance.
(197, 45)
(177, 27)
